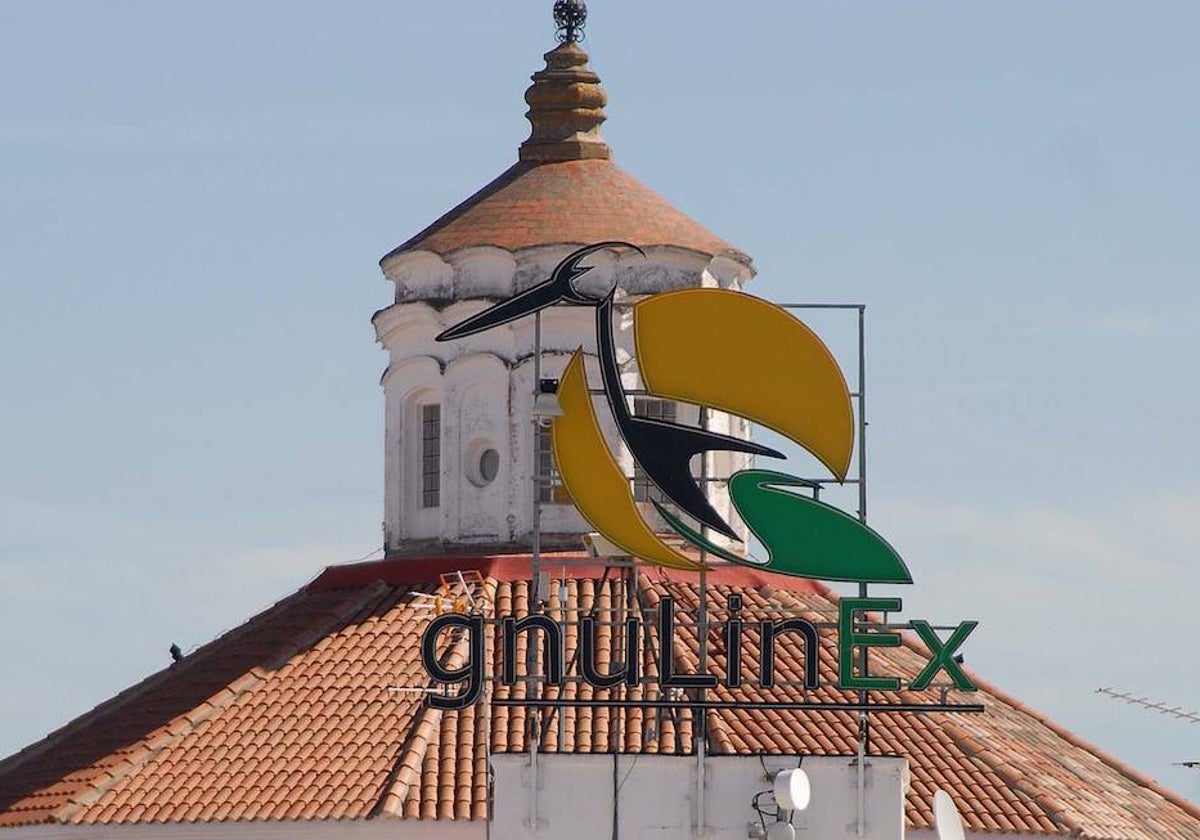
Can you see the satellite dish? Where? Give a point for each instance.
(945, 817)
(792, 790)
(781, 831)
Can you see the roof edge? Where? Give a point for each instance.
(153, 744)
(402, 570)
(129, 694)
(1112, 761)
(406, 767)
(398, 570)
(523, 167)
(495, 185)
(1051, 806)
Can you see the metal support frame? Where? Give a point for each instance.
(860, 397)
(864, 717)
(700, 703)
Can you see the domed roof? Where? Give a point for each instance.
(565, 187)
(572, 201)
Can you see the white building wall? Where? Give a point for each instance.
(485, 386)
(377, 829)
(653, 797)
(475, 419)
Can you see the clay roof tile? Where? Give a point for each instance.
(302, 742)
(575, 201)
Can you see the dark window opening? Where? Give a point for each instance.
(431, 455)
(551, 489)
(653, 409)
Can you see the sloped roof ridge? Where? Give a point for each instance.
(406, 769)
(134, 691)
(411, 755)
(412, 781)
(336, 616)
(421, 743)
(912, 642)
(154, 741)
(1076, 741)
(1055, 810)
(494, 186)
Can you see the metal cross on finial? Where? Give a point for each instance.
(570, 16)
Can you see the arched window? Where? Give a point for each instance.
(431, 455)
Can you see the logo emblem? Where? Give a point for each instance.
(728, 351)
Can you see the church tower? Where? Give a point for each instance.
(465, 461)
(467, 688)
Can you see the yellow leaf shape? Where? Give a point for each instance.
(592, 476)
(740, 354)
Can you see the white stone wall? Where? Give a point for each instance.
(485, 386)
(583, 797)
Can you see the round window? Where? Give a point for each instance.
(489, 465)
(482, 463)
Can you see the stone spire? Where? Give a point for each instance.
(566, 102)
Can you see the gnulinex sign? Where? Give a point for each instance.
(768, 367)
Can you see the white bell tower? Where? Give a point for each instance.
(462, 448)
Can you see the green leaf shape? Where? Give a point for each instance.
(810, 539)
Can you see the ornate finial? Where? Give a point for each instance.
(570, 16)
(566, 102)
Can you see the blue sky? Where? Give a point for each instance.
(193, 199)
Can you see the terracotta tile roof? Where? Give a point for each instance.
(577, 201)
(297, 715)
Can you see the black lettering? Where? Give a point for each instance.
(471, 672)
(771, 631)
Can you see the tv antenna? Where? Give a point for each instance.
(1177, 712)
(1153, 705)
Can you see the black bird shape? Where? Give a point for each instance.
(662, 449)
(559, 288)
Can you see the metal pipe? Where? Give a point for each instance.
(864, 721)
(862, 415)
(616, 808)
(747, 615)
(533, 787)
(862, 774)
(535, 567)
(634, 300)
(821, 305)
(802, 481)
(535, 596)
(734, 705)
(563, 600)
(642, 392)
(701, 719)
